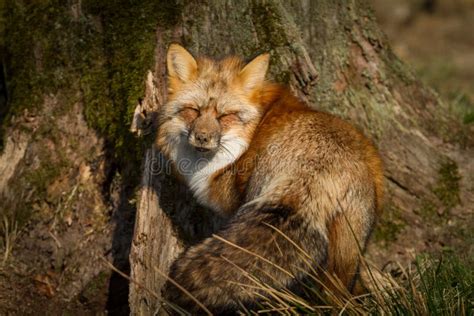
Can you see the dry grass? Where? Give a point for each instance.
(428, 287)
(8, 235)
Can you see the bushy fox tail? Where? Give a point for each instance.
(273, 245)
(256, 247)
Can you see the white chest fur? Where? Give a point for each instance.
(197, 168)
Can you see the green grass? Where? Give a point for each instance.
(462, 105)
(430, 287)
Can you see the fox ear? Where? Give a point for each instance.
(180, 63)
(253, 74)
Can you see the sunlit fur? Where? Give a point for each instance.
(218, 90)
(290, 180)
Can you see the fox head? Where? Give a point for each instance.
(213, 106)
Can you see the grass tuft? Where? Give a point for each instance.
(429, 286)
(8, 236)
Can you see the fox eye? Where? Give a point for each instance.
(227, 115)
(189, 113)
(190, 108)
(229, 118)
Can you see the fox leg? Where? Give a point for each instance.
(348, 234)
(221, 274)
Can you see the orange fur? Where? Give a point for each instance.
(310, 174)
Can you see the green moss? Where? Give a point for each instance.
(446, 191)
(101, 49)
(429, 211)
(274, 34)
(447, 187)
(117, 61)
(36, 51)
(96, 286)
(468, 118)
(389, 226)
(2, 24)
(272, 31)
(109, 47)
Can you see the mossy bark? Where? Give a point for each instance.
(76, 72)
(70, 168)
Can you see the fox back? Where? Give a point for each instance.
(301, 189)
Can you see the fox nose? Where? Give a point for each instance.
(203, 138)
(205, 132)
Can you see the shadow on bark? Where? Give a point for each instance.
(189, 221)
(123, 218)
(117, 301)
(3, 103)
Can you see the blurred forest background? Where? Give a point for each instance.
(68, 174)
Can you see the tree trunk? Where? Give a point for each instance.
(78, 72)
(334, 56)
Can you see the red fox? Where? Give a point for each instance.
(290, 180)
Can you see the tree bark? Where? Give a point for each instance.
(334, 57)
(75, 72)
